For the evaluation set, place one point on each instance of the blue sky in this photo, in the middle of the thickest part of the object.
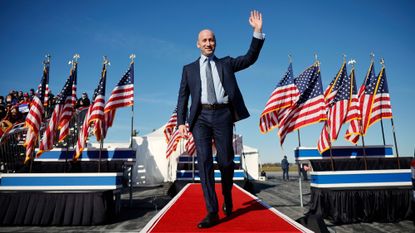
(162, 34)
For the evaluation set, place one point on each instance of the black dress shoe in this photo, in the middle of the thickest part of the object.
(227, 210)
(209, 221)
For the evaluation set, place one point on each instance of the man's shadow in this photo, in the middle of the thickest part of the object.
(249, 206)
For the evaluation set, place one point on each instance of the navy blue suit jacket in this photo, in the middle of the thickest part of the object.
(227, 67)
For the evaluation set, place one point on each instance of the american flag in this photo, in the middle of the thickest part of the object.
(190, 145)
(97, 112)
(173, 137)
(82, 135)
(69, 105)
(338, 95)
(170, 126)
(123, 93)
(172, 143)
(353, 114)
(381, 106)
(121, 96)
(35, 116)
(375, 100)
(46, 143)
(284, 96)
(310, 107)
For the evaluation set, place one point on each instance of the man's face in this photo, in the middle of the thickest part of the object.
(206, 42)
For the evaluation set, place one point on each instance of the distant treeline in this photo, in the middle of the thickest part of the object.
(276, 167)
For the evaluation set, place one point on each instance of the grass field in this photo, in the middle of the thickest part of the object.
(277, 168)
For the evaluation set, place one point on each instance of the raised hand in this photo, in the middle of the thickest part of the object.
(256, 21)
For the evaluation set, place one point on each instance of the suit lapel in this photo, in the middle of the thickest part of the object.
(196, 75)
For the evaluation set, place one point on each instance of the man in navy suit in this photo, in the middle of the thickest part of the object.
(216, 103)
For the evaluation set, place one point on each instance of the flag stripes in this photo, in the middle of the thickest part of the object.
(48, 138)
(285, 95)
(35, 116)
(337, 96)
(33, 122)
(311, 112)
(69, 105)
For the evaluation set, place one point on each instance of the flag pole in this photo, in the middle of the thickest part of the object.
(353, 62)
(132, 57)
(317, 62)
(383, 132)
(46, 62)
(101, 142)
(290, 60)
(372, 59)
(72, 63)
(382, 62)
(330, 150)
(364, 151)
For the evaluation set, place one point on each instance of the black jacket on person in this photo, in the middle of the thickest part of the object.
(284, 164)
(227, 67)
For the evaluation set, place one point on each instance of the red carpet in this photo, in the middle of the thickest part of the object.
(184, 212)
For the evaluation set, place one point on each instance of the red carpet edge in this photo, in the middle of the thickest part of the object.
(155, 220)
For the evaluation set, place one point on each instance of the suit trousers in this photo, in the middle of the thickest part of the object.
(217, 125)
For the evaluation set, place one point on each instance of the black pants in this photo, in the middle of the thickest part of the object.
(217, 125)
(285, 174)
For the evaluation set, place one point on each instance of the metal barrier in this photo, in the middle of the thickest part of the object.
(12, 150)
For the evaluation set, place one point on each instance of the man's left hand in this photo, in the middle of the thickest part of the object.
(256, 21)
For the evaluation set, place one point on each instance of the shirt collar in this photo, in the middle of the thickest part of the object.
(203, 58)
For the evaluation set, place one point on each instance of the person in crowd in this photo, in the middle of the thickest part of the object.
(24, 105)
(31, 93)
(25, 99)
(285, 167)
(3, 112)
(5, 125)
(15, 99)
(14, 115)
(2, 102)
(20, 96)
(304, 169)
(83, 102)
(10, 99)
(50, 105)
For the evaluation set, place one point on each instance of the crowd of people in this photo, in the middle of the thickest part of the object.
(16, 105)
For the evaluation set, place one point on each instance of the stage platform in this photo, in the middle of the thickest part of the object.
(250, 214)
(349, 193)
(344, 152)
(148, 201)
(56, 191)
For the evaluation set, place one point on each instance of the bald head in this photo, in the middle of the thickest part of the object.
(206, 42)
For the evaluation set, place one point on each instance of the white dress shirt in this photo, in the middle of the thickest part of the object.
(219, 91)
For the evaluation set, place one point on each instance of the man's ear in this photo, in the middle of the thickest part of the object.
(197, 44)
